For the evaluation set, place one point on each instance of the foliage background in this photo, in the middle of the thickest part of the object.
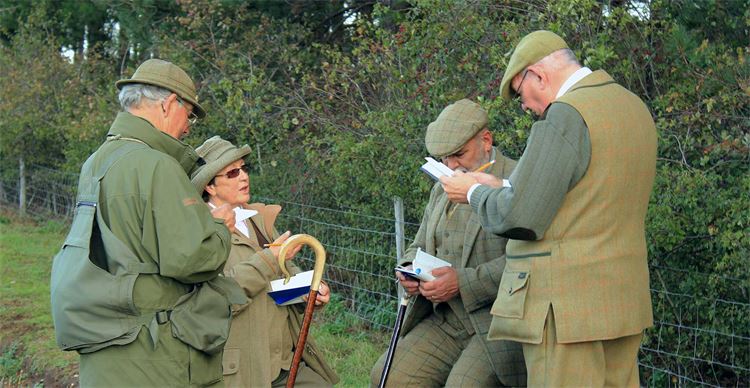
(334, 98)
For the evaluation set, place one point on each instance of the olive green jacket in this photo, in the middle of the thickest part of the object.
(482, 259)
(149, 204)
(250, 349)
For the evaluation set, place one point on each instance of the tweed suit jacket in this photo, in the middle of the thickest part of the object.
(477, 285)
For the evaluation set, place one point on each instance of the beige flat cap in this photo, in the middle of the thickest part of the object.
(455, 125)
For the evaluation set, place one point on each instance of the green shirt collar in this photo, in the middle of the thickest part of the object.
(129, 125)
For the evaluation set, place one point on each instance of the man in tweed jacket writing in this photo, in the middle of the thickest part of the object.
(444, 334)
(575, 290)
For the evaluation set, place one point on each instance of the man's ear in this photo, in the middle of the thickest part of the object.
(540, 72)
(487, 139)
(169, 103)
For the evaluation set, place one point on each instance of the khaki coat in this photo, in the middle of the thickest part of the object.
(247, 355)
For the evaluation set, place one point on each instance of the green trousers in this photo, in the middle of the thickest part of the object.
(171, 363)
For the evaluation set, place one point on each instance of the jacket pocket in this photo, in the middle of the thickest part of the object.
(231, 361)
(204, 369)
(511, 294)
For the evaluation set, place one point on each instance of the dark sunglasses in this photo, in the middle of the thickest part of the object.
(235, 172)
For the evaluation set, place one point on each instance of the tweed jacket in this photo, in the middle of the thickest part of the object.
(477, 285)
(590, 267)
(247, 354)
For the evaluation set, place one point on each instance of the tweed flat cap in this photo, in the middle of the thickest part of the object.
(169, 76)
(455, 125)
(529, 51)
(217, 153)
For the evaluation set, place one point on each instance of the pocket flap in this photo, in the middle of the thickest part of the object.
(511, 295)
(231, 361)
(517, 282)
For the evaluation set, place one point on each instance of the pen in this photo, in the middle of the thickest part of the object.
(484, 166)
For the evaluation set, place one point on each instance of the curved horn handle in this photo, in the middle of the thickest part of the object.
(320, 257)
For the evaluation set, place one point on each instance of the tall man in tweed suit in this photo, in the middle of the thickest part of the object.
(445, 331)
(575, 290)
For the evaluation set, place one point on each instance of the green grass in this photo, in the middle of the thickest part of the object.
(28, 352)
(27, 341)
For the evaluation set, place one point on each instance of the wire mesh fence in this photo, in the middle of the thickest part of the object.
(697, 339)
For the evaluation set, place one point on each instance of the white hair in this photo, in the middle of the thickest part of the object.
(559, 59)
(133, 95)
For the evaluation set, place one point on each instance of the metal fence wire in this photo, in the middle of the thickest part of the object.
(697, 340)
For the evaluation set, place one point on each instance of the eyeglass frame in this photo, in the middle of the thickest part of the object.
(192, 117)
(235, 172)
(517, 92)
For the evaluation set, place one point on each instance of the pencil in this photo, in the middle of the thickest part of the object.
(271, 245)
(480, 169)
(484, 166)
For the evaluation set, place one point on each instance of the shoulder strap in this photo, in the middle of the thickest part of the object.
(88, 185)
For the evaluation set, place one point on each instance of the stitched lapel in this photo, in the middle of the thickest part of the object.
(437, 212)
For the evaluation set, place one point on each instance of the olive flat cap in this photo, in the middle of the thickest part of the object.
(169, 76)
(217, 153)
(455, 125)
(532, 48)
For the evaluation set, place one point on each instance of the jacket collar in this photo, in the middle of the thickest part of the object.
(129, 125)
(265, 220)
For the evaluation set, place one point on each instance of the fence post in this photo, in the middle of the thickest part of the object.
(398, 211)
(22, 186)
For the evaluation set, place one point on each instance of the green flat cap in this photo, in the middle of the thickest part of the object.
(217, 153)
(169, 76)
(455, 125)
(529, 51)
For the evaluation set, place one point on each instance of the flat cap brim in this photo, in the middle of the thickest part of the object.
(530, 50)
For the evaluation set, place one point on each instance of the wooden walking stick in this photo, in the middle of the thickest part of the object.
(320, 262)
(394, 339)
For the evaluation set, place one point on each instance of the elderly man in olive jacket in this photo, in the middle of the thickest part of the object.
(143, 311)
(445, 329)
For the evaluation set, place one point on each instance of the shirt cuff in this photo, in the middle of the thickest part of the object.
(471, 190)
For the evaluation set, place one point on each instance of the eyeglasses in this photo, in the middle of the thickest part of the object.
(235, 172)
(518, 89)
(192, 117)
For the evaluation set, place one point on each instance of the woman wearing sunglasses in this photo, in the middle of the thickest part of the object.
(262, 336)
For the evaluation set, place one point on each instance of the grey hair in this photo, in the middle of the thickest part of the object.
(560, 58)
(133, 95)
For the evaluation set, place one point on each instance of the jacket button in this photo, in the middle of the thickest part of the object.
(231, 366)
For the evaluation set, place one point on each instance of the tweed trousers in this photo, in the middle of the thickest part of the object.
(438, 352)
(605, 363)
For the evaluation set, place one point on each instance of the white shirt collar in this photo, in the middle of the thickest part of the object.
(575, 77)
(240, 215)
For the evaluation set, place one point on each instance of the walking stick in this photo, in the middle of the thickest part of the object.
(394, 339)
(320, 262)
